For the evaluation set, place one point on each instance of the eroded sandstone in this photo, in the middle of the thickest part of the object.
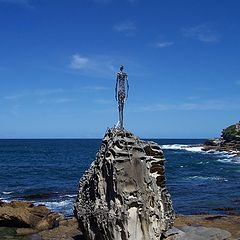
(123, 194)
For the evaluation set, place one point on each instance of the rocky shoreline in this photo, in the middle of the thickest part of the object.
(229, 141)
(24, 221)
(123, 196)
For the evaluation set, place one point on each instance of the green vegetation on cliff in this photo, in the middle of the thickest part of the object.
(230, 133)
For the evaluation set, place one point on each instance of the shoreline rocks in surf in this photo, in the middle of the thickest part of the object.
(228, 142)
(35, 221)
(67, 229)
(26, 215)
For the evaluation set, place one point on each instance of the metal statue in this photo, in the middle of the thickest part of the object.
(120, 93)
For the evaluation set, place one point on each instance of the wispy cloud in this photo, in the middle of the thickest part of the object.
(95, 88)
(25, 3)
(163, 44)
(101, 1)
(238, 82)
(37, 92)
(79, 62)
(202, 32)
(57, 100)
(57, 95)
(189, 106)
(103, 101)
(127, 27)
(98, 65)
(109, 1)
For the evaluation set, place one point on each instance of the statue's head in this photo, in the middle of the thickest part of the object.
(121, 67)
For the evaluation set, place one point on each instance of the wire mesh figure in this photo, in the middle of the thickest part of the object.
(120, 93)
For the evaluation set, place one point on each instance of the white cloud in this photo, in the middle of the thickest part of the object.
(163, 44)
(188, 106)
(37, 92)
(133, 1)
(25, 3)
(98, 65)
(79, 62)
(103, 101)
(109, 1)
(56, 100)
(95, 88)
(101, 1)
(201, 32)
(57, 95)
(126, 27)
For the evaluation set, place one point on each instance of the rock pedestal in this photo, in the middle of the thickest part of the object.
(123, 194)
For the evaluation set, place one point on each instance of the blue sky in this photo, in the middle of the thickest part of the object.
(59, 58)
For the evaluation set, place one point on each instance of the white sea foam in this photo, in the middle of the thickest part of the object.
(191, 148)
(5, 200)
(235, 160)
(223, 156)
(208, 178)
(70, 195)
(227, 157)
(7, 193)
(59, 206)
(65, 206)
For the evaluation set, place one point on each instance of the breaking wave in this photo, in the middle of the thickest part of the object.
(64, 206)
(191, 148)
(7, 193)
(223, 156)
(203, 178)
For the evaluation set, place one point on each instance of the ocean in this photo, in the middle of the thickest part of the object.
(47, 171)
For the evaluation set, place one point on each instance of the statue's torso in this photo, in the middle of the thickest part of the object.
(122, 77)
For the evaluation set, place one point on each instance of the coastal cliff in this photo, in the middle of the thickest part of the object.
(123, 194)
(229, 140)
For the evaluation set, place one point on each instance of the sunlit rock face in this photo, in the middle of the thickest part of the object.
(123, 194)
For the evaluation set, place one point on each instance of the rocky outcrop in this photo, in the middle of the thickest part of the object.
(218, 226)
(197, 233)
(67, 230)
(26, 215)
(123, 194)
(229, 140)
(23, 220)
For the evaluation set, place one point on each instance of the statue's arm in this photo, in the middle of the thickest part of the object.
(127, 85)
(116, 88)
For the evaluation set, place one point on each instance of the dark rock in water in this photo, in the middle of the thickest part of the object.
(123, 194)
(26, 215)
(39, 196)
(229, 140)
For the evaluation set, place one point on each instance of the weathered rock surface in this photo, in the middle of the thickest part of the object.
(229, 140)
(197, 233)
(230, 223)
(67, 230)
(123, 194)
(26, 215)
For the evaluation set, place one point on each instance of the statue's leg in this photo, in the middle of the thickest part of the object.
(119, 111)
(121, 115)
(121, 96)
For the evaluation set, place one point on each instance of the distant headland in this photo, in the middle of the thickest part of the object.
(229, 140)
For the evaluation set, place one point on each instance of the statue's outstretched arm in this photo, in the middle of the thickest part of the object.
(116, 88)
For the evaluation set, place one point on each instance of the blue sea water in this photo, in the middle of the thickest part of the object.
(47, 171)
